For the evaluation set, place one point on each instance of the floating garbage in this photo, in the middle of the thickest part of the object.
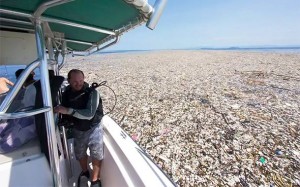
(164, 132)
(278, 152)
(262, 160)
(135, 137)
(207, 118)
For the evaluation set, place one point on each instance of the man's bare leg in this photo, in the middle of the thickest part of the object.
(85, 171)
(83, 163)
(96, 169)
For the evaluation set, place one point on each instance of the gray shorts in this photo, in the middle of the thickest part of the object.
(92, 139)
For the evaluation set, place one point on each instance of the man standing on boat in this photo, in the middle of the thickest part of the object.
(82, 106)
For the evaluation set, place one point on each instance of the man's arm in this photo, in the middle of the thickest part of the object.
(86, 113)
(90, 110)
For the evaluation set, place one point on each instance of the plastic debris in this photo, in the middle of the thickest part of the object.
(164, 132)
(262, 160)
(135, 137)
(225, 110)
(278, 152)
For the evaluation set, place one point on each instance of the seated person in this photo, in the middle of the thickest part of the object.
(16, 132)
(29, 80)
(26, 96)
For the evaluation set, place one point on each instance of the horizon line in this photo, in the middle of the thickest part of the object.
(211, 48)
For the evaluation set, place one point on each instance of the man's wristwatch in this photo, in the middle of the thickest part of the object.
(73, 112)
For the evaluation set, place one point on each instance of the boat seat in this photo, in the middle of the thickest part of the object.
(30, 148)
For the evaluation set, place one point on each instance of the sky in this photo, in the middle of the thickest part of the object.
(188, 24)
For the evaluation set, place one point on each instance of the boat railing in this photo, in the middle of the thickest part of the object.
(24, 114)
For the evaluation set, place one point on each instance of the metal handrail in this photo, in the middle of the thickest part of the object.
(24, 114)
(67, 154)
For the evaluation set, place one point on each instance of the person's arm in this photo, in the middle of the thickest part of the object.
(3, 85)
(86, 113)
(90, 110)
(9, 82)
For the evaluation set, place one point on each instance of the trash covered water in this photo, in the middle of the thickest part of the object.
(209, 118)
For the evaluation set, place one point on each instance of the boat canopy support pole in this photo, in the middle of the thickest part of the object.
(16, 21)
(159, 6)
(43, 7)
(110, 44)
(64, 54)
(51, 62)
(79, 42)
(64, 137)
(50, 48)
(92, 50)
(16, 28)
(47, 101)
(52, 20)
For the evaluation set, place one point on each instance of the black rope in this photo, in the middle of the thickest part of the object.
(103, 83)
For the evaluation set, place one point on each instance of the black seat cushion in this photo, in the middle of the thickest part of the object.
(55, 84)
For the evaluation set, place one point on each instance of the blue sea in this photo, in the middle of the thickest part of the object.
(9, 71)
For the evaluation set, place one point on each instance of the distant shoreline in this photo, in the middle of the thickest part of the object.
(246, 48)
(254, 49)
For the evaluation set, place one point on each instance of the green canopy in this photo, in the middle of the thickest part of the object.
(84, 24)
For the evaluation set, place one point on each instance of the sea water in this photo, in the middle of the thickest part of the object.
(9, 71)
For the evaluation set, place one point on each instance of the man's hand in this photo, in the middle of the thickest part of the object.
(3, 85)
(61, 109)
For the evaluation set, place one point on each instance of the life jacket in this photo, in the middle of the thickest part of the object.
(79, 100)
